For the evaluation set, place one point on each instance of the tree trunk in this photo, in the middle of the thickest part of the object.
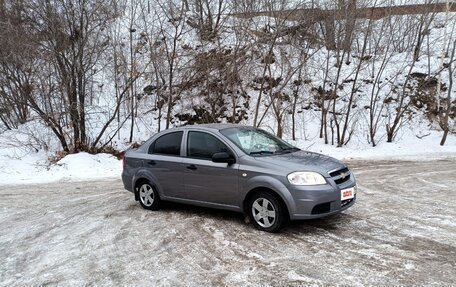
(389, 134)
(132, 90)
(279, 127)
(444, 137)
(330, 34)
(445, 124)
(349, 9)
(293, 117)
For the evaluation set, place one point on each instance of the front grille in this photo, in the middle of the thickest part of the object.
(341, 175)
(321, 208)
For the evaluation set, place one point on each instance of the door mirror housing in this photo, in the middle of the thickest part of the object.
(223, 157)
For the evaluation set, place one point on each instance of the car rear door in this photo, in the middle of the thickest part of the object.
(204, 179)
(164, 161)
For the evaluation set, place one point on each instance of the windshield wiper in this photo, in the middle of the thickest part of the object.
(289, 150)
(262, 152)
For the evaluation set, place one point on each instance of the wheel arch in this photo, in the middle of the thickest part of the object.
(140, 177)
(257, 189)
(272, 185)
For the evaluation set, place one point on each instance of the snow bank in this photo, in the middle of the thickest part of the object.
(86, 166)
(34, 168)
(427, 148)
(417, 143)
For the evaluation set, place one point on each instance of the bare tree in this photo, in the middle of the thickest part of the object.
(273, 32)
(207, 17)
(381, 51)
(171, 17)
(402, 102)
(444, 120)
(131, 60)
(72, 37)
(15, 66)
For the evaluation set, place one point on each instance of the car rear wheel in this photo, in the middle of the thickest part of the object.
(148, 196)
(266, 212)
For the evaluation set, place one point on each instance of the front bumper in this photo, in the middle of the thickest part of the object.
(320, 201)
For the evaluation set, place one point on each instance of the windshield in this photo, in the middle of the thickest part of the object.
(257, 142)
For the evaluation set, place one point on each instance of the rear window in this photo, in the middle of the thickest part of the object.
(169, 144)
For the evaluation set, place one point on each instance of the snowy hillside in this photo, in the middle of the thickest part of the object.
(351, 88)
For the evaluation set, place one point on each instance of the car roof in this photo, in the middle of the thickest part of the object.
(213, 126)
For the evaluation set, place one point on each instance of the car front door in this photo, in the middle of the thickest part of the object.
(164, 161)
(205, 180)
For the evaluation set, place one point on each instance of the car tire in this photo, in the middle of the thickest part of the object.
(148, 196)
(266, 212)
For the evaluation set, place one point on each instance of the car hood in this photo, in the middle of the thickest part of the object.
(303, 161)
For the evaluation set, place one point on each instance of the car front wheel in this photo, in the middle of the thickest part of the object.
(148, 196)
(266, 212)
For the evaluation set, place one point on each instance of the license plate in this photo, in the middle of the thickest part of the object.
(347, 193)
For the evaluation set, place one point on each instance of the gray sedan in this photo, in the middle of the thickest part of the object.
(238, 168)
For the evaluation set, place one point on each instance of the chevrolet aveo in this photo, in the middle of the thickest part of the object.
(238, 168)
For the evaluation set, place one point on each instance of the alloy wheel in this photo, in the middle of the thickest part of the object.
(263, 212)
(146, 194)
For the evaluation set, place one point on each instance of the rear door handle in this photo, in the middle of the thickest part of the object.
(192, 167)
(151, 162)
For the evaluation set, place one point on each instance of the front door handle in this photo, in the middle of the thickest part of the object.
(151, 162)
(192, 167)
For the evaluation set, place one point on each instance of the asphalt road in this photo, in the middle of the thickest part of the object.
(402, 231)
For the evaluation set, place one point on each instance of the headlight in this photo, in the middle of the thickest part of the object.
(306, 178)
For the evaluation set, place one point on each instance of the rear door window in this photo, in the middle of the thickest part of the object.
(168, 144)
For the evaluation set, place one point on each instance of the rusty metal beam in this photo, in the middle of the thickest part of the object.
(316, 15)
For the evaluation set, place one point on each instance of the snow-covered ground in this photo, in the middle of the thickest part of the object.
(401, 232)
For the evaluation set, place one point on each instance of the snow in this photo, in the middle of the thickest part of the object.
(28, 156)
(86, 234)
(408, 148)
(86, 166)
(33, 168)
(21, 167)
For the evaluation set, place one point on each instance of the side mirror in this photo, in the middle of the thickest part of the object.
(223, 157)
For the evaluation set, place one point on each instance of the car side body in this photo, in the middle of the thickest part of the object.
(201, 181)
